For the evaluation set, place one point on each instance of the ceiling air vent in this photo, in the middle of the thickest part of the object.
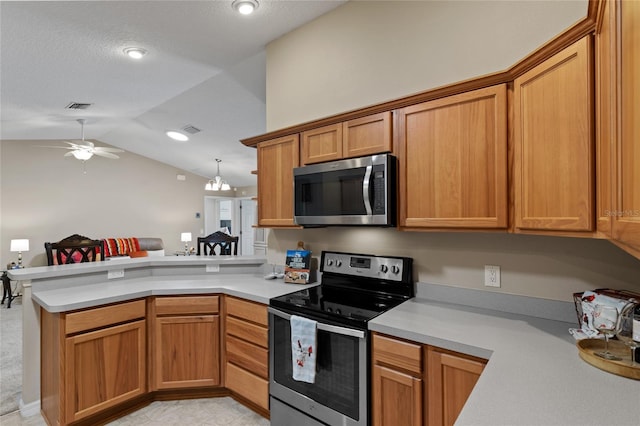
(191, 129)
(78, 105)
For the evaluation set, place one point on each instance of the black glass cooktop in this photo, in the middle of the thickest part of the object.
(342, 306)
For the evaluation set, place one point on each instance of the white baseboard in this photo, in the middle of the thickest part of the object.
(30, 409)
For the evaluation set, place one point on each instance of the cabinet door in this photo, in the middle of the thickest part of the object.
(396, 398)
(453, 161)
(553, 146)
(187, 351)
(276, 160)
(104, 368)
(626, 216)
(322, 144)
(450, 380)
(367, 135)
(605, 116)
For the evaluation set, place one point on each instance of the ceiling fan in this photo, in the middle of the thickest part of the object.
(84, 150)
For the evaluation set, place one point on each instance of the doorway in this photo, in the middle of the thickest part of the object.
(233, 215)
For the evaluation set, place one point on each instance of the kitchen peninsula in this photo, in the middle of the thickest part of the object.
(533, 375)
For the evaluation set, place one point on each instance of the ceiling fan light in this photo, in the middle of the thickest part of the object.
(135, 52)
(82, 154)
(177, 136)
(245, 7)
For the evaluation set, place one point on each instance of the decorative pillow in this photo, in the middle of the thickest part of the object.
(139, 253)
(155, 253)
(120, 246)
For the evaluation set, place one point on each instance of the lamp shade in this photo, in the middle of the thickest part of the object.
(185, 237)
(20, 245)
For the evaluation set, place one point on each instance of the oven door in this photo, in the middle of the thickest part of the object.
(340, 393)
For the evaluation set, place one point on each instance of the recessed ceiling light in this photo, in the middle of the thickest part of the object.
(177, 136)
(135, 52)
(245, 7)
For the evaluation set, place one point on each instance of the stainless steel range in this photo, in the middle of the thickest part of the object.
(355, 288)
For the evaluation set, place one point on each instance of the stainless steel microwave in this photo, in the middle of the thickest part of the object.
(356, 191)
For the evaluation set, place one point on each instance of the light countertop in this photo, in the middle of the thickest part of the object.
(248, 286)
(534, 375)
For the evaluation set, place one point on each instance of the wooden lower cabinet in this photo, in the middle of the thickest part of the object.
(89, 365)
(415, 384)
(185, 349)
(450, 378)
(247, 351)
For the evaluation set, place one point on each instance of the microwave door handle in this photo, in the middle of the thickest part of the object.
(365, 190)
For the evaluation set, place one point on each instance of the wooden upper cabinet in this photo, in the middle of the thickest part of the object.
(605, 103)
(553, 145)
(322, 144)
(453, 161)
(626, 213)
(354, 138)
(367, 135)
(276, 161)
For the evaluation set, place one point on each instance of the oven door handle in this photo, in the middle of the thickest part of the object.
(325, 327)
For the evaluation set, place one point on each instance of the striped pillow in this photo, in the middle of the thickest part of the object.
(120, 246)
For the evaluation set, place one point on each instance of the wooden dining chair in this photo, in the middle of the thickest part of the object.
(226, 244)
(74, 249)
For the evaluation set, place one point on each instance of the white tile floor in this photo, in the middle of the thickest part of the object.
(192, 412)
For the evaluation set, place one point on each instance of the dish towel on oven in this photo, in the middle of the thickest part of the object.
(303, 348)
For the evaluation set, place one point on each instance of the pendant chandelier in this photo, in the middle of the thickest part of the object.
(217, 183)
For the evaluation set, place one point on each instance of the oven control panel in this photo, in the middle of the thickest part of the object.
(362, 265)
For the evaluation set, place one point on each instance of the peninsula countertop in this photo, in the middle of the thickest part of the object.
(534, 375)
(248, 286)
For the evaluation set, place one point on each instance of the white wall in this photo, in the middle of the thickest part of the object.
(369, 52)
(46, 197)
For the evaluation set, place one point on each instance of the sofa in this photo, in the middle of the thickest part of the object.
(133, 247)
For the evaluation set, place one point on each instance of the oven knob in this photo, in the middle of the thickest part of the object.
(329, 262)
(338, 263)
(338, 311)
(395, 269)
(329, 310)
(384, 269)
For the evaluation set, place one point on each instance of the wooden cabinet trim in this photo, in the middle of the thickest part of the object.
(99, 317)
(179, 305)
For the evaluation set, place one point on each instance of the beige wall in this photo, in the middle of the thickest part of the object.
(368, 52)
(46, 197)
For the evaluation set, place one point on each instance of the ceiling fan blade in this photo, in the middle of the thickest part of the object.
(69, 154)
(106, 154)
(105, 149)
(53, 146)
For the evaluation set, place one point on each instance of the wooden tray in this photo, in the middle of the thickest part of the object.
(587, 347)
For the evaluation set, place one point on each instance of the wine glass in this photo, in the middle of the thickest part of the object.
(625, 328)
(605, 320)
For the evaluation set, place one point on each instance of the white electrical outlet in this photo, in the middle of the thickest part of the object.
(116, 273)
(491, 276)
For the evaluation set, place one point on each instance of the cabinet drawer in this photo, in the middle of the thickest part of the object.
(248, 385)
(397, 353)
(101, 317)
(248, 331)
(248, 356)
(250, 311)
(186, 305)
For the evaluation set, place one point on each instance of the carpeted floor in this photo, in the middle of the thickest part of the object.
(10, 356)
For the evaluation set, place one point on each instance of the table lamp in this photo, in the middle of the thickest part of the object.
(185, 237)
(20, 246)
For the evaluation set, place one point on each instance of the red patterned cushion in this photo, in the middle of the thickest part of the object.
(120, 246)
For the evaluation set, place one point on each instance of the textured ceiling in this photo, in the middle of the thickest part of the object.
(205, 67)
